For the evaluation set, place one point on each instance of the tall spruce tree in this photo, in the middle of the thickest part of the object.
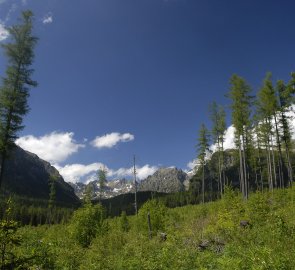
(241, 102)
(202, 149)
(16, 83)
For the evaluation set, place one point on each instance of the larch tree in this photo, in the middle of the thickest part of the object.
(14, 91)
(217, 114)
(102, 180)
(286, 100)
(241, 102)
(202, 149)
(267, 109)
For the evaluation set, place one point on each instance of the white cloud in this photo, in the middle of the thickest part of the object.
(145, 171)
(229, 139)
(54, 147)
(48, 18)
(3, 32)
(78, 172)
(192, 164)
(110, 140)
(86, 173)
(141, 172)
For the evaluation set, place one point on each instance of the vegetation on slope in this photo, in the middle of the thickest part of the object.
(227, 234)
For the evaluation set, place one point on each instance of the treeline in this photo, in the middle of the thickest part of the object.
(28, 211)
(263, 153)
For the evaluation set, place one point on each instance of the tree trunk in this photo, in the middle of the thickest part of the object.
(281, 172)
(241, 171)
(287, 146)
(274, 164)
(245, 167)
(203, 184)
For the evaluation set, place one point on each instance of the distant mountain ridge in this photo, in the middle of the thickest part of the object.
(112, 188)
(164, 180)
(27, 175)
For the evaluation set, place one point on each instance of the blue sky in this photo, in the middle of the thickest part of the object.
(141, 73)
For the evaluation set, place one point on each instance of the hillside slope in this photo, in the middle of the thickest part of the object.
(27, 175)
(227, 234)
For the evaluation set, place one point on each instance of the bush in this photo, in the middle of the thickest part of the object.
(158, 212)
(86, 223)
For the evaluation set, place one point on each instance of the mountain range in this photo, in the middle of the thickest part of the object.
(28, 176)
(164, 180)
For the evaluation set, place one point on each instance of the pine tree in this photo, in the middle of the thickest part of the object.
(14, 91)
(241, 113)
(202, 149)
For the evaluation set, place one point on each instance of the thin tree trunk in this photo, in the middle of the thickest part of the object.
(219, 169)
(290, 171)
(260, 166)
(241, 171)
(274, 164)
(281, 172)
(270, 179)
(222, 164)
(245, 167)
(203, 184)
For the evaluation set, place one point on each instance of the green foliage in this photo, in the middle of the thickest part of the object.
(102, 179)
(14, 91)
(124, 222)
(241, 103)
(87, 223)
(268, 242)
(203, 143)
(8, 239)
(158, 214)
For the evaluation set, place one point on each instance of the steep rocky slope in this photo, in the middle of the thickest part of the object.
(27, 175)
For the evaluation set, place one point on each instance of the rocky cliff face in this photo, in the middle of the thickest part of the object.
(112, 188)
(167, 180)
(27, 175)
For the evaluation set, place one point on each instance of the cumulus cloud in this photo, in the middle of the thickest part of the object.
(111, 139)
(192, 164)
(3, 32)
(79, 172)
(229, 143)
(86, 173)
(54, 147)
(48, 18)
(141, 172)
(229, 139)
